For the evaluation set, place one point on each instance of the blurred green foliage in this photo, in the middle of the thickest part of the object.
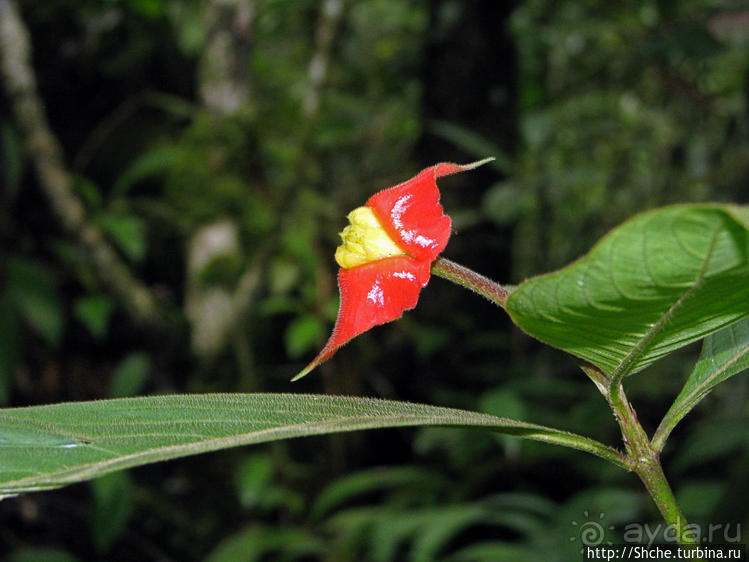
(594, 112)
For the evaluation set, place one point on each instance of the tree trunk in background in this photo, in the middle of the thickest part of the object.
(224, 88)
(223, 74)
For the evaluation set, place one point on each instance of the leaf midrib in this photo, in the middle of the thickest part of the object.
(638, 350)
(705, 386)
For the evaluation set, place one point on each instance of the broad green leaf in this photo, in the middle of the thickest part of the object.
(724, 354)
(50, 446)
(663, 279)
(17, 437)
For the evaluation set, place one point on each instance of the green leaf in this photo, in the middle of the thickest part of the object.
(113, 506)
(153, 163)
(303, 333)
(254, 476)
(663, 279)
(256, 543)
(428, 530)
(45, 447)
(151, 9)
(126, 231)
(88, 191)
(94, 311)
(130, 375)
(32, 437)
(508, 402)
(258, 489)
(32, 290)
(724, 354)
(441, 527)
(353, 485)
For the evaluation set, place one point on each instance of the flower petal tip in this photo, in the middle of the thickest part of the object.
(303, 373)
(478, 163)
(449, 168)
(323, 356)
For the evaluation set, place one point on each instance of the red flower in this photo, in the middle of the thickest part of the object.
(387, 254)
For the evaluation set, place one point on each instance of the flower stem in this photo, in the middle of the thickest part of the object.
(469, 279)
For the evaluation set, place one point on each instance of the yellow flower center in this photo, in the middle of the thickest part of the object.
(364, 240)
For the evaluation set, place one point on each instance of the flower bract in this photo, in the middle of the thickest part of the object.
(386, 255)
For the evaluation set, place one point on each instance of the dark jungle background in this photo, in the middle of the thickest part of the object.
(215, 147)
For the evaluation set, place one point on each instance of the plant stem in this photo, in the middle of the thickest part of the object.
(469, 279)
(645, 460)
